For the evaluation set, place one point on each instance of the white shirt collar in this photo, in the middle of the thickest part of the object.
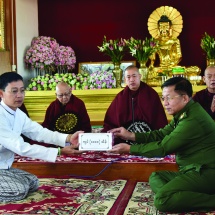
(9, 110)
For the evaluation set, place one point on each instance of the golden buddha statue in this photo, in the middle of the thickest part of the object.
(165, 24)
(169, 47)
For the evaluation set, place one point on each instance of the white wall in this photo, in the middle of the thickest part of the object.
(26, 30)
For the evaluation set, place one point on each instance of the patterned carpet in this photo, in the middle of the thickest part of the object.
(68, 196)
(88, 197)
(141, 203)
(105, 157)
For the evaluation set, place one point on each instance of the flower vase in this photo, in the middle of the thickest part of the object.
(62, 70)
(143, 70)
(117, 71)
(39, 72)
(42, 72)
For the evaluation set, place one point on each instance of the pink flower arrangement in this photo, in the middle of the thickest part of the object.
(141, 49)
(41, 54)
(46, 54)
(115, 49)
(65, 57)
(49, 82)
(102, 80)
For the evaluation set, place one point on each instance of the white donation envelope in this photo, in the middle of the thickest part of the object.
(95, 141)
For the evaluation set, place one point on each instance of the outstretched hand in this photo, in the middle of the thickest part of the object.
(70, 150)
(123, 133)
(121, 148)
(74, 139)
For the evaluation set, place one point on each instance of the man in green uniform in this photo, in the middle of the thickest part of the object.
(191, 136)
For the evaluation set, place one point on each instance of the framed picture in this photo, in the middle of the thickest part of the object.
(90, 67)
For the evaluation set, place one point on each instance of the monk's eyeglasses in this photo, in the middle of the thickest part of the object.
(63, 95)
(169, 98)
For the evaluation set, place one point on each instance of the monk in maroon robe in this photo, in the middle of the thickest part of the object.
(67, 114)
(138, 107)
(206, 97)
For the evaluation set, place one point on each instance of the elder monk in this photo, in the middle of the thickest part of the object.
(67, 114)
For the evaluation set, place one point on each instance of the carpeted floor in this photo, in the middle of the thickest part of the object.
(141, 203)
(68, 196)
(88, 197)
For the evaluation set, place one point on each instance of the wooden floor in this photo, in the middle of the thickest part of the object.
(118, 170)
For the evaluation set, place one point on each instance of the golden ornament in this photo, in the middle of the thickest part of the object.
(66, 122)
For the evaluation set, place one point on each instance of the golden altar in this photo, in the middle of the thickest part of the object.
(96, 101)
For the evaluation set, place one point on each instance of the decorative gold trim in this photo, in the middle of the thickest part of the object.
(66, 122)
(2, 25)
(173, 15)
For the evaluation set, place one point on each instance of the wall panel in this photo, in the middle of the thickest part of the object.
(82, 24)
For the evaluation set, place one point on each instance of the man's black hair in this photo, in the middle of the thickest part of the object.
(9, 77)
(182, 85)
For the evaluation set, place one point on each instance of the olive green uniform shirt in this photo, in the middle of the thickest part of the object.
(190, 135)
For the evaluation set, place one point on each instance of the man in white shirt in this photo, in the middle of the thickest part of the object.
(15, 184)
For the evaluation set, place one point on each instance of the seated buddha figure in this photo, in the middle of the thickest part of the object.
(169, 51)
(166, 29)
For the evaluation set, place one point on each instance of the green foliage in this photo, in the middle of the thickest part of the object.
(142, 49)
(49, 82)
(115, 49)
(208, 46)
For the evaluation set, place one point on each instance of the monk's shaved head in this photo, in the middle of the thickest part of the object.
(63, 92)
(62, 85)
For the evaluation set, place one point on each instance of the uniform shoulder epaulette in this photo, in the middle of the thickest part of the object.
(182, 116)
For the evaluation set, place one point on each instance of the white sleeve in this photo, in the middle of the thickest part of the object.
(11, 128)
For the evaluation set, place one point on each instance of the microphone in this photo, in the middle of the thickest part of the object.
(132, 106)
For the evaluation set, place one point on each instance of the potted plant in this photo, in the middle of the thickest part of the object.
(115, 49)
(41, 54)
(208, 46)
(142, 50)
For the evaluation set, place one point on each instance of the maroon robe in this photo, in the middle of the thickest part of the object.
(74, 110)
(67, 118)
(204, 98)
(146, 108)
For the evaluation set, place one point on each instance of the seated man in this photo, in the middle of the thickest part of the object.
(206, 97)
(16, 184)
(67, 114)
(190, 135)
(137, 107)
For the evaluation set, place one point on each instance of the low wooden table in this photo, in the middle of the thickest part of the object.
(127, 171)
(111, 167)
